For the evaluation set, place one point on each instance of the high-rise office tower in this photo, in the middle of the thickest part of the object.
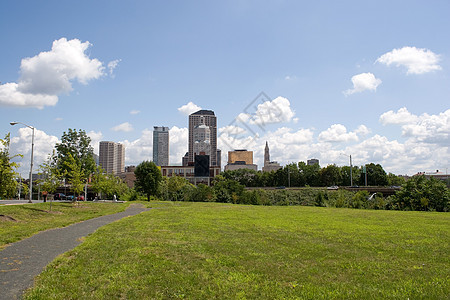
(202, 140)
(208, 119)
(161, 146)
(112, 157)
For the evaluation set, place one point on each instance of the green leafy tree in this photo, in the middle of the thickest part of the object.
(376, 176)
(227, 190)
(310, 173)
(148, 177)
(394, 180)
(52, 177)
(175, 187)
(8, 183)
(420, 193)
(331, 175)
(75, 174)
(356, 175)
(75, 146)
(98, 181)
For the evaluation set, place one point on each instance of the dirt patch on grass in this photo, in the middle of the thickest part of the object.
(7, 218)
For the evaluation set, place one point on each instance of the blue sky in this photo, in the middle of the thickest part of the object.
(366, 78)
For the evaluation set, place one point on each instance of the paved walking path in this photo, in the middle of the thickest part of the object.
(22, 261)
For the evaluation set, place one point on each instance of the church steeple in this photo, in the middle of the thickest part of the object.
(266, 154)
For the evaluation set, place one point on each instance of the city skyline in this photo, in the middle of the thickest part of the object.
(317, 80)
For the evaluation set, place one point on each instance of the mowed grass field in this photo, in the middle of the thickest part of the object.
(21, 221)
(221, 251)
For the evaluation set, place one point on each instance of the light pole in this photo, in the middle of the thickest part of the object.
(31, 165)
(351, 168)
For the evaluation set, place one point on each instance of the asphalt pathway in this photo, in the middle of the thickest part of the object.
(20, 262)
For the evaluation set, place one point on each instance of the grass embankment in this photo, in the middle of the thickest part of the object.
(222, 251)
(21, 221)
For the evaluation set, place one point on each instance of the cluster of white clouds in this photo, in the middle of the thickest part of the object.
(269, 112)
(189, 108)
(424, 128)
(416, 61)
(363, 82)
(49, 74)
(124, 127)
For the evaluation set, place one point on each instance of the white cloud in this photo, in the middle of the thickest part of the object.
(141, 149)
(434, 129)
(125, 127)
(276, 111)
(363, 82)
(112, 65)
(178, 144)
(189, 108)
(402, 116)
(362, 130)
(49, 74)
(21, 144)
(417, 61)
(134, 112)
(96, 138)
(338, 133)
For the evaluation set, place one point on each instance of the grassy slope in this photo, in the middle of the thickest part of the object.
(206, 250)
(32, 218)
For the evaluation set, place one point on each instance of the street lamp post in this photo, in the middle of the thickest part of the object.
(351, 169)
(31, 165)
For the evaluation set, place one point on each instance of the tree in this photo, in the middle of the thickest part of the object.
(310, 173)
(52, 178)
(75, 174)
(331, 175)
(175, 187)
(227, 190)
(77, 145)
(8, 183)
(394, 180)
(376, 176)
(420, 193)
(148, 177)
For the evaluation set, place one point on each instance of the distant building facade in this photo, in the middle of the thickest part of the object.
(240, 159)
(128, 176)
(312, 161)
(188, 172)
(112, 157)
(269, 165)
(161, 146)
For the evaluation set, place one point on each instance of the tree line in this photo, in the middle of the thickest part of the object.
(301, 175)
(418, 193)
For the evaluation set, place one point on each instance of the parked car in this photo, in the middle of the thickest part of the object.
(59, 196)
(70, 197)
(80, 198)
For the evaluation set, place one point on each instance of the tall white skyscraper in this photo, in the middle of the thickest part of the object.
(112, 157)
(161, 146)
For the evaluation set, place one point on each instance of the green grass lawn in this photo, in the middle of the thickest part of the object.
(22, 221)
(210, 250)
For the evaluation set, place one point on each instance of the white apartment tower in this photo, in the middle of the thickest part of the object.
(112, 157)
(161, 146)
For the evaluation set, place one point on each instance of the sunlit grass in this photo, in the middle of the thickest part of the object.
(25, 220)
(209, 250)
